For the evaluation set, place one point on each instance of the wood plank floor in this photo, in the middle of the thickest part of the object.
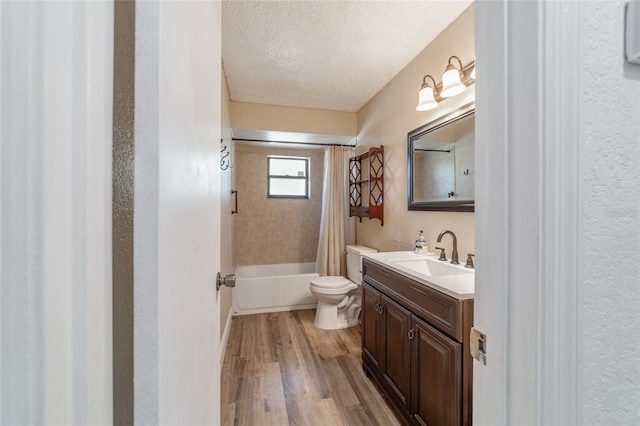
(281, 370)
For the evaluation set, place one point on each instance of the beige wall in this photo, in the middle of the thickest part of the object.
(252, 116)
(275, 230)
(227, 220)
(386, 120)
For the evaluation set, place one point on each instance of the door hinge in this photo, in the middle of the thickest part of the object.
(478, 346)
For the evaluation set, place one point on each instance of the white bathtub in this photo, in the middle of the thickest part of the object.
(273, 288)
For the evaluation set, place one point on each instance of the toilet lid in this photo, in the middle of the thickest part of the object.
(330, 282)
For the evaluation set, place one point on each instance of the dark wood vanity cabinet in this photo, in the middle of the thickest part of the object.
(437, 377)
(397, 349)
(372, 323)
(384, 341)
(415, 344)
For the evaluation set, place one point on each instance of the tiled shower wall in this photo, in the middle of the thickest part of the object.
(275, 230)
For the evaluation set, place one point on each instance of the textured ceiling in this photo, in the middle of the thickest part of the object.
(332, 55)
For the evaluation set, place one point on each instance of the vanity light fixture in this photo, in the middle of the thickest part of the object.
(426, 98)
(451, 81)
(454, 80)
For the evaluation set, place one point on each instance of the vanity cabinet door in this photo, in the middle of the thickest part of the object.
(437, 377)
(372, 344)
(397, 367)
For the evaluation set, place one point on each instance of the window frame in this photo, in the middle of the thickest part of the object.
(306, 177)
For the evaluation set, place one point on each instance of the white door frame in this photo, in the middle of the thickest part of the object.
(527, 239)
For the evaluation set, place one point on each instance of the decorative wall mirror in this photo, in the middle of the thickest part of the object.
(440, 163)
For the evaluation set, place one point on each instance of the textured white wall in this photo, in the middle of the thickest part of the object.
(55, 258)
(611, 220)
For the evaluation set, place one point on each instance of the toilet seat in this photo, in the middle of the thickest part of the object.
(332, 285)
(330, 282)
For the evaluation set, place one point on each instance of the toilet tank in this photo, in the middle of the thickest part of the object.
(354, 262)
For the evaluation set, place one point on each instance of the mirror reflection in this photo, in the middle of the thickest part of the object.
(441, 163)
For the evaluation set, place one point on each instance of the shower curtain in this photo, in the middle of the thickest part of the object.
(337, 229)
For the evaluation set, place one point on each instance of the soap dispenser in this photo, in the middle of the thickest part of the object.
(421, 244)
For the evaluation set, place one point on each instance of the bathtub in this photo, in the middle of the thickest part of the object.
(273, 288)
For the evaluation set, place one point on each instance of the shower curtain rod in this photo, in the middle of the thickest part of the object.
(292, 143)
(430, 150)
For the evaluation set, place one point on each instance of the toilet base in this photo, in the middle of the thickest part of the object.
(329, 317)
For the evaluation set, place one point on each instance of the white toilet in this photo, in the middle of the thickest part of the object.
(339, 299)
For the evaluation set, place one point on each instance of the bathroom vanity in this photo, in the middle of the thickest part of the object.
(416, 318)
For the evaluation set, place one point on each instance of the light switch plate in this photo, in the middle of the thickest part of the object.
(632, 32)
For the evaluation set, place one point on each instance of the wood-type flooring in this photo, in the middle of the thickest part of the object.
(279, 369)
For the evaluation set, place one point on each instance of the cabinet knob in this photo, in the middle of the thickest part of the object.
(411, 334)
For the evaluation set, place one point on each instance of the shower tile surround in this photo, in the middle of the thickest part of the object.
(275, 230)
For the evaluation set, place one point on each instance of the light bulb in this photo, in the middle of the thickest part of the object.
(426, 100)
(426, 96)
(451, 84)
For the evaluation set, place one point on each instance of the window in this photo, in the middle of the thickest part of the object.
(288, 177)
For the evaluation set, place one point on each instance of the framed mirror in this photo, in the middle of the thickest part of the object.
(440, 164)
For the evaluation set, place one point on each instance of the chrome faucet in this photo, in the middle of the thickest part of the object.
(454, 253)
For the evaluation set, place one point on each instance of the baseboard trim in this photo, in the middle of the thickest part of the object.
(225, 335)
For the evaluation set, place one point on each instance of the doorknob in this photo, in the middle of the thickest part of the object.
(228, 280)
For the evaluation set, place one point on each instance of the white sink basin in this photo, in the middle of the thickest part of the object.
(431, 267)
(454, 280)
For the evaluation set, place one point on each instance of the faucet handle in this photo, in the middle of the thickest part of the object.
(443, 256)
(469, 263)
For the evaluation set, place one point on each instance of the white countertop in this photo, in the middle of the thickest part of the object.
(459, 283)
